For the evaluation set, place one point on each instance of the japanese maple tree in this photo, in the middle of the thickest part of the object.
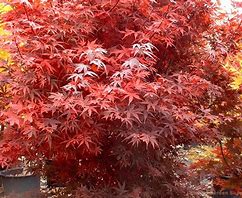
(108, 89)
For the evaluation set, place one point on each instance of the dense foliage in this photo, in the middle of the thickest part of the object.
(108, 89)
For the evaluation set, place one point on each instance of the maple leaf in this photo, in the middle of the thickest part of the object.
(132, 63)
(131, 96)
(90, 73)
(70, 86)
(129, 32)
(12, 118)
(81, 68)
(79, 141)
(124, 74)
(146, 49)
(100, 51)
(136, 138)
(149, 139)
(89, 110)
(99, 63)
(76, 77)
(45, 65)
(30, 132)
(56, 96)
(28, 117)
(151, 104)
(16, 107)
(53, 123)
(93, 52)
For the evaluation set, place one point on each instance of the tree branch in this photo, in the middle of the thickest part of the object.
(114, 6)
(222, 152)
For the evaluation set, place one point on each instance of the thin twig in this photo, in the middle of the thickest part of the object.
(222, 152)
(114, 6)
(15, 41)
(27, 15)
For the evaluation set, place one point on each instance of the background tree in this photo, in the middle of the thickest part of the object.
(108, 89)
(224, 160)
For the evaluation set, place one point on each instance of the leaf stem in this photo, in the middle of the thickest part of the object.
(114, 6)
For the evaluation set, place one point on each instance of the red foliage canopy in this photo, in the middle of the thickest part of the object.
(115, 86)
